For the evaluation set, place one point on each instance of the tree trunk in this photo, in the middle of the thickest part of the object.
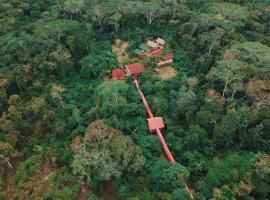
(62, 103)
(19, 87)
(225, 87)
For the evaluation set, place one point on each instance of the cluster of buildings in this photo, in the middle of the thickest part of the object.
(147, 49)
(154, 48)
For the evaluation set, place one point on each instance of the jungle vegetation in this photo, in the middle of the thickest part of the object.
(68, 131)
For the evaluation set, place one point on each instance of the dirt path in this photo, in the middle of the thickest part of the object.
(120, 52)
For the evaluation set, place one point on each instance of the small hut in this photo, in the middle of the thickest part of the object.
(155, 123)
(137, 52)
(152, 44)
(168, 59)
(119, 74)
(144, 47)
(160, 41)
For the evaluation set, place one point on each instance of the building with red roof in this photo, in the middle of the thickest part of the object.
(119, 74)
(135, 68)
(157, 53)
(168, 57)
(155, 123)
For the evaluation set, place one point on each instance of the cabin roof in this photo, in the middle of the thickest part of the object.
(160, 41)
(119, 74)
(157, 53)
(168, 57)
(137, 51)
(135, 68)
(155, 123)
(152, 44)
(144, 47)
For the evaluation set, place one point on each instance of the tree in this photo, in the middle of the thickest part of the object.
(256, 55)
(232, 74)
(56, 92)
(61, 61)
(233, 172)
(75, 7)
(186, 101)
(257, 91)
(7, 152)
(114, 20)
(113, 92)
(105, 153)
(180, 194)
(228, 15)
(151, 10)
(261, 173)
(98, 14)
(163, 175)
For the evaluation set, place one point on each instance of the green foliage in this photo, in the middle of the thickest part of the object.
(234, 171)
(26, 168)
(55, 79)
(64, 186)
(164, 174)
(1, 188)
(105, 153)
(255, 54)
(180, 194)
(185, 101)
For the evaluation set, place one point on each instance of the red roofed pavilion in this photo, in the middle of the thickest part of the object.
(119, 74)
(135, 68)
(155, 123)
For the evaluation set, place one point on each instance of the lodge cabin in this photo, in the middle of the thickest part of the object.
(154, 48)
(134, 69)
(161, 42)
(157, 53)
(119, 74)
(168, 59)
(152, 45)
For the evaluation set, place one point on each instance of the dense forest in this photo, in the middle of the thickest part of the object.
(68, 130)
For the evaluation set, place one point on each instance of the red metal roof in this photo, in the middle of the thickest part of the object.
(168, 57)
(155, 123)
(135, 68)
(119, 74)
(158, 52)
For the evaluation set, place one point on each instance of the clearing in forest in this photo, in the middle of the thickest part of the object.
(167, 72)
(119, 48)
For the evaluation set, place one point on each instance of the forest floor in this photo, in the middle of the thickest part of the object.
(167, 72)
(120, 52)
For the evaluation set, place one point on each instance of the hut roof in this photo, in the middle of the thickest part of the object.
(144, 47)
(157, 53)
(168, 57)
(137, 51)
(160, 41)
(135, 68)
(119, 74)
(152, 44)
(155, 123)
